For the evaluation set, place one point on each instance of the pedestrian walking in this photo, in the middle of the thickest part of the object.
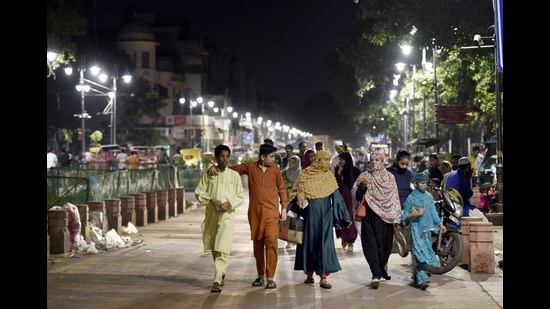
(290, 175)
(323, 208)
(266, 189)
(419, 212)
(346, 174)
(221, 194)
(378, 188)
(51, 159)
(122, 159)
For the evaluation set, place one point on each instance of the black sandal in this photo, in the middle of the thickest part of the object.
(258, 282)
(223, 280)
(271, 284)
(216, 288)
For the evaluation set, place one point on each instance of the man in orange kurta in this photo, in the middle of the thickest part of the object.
(266, 189)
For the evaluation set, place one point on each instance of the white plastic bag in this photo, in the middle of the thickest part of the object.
(478, 214)
(74, 221)
(130, 229)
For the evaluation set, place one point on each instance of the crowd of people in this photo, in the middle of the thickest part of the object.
(103, 160)
(327, 190)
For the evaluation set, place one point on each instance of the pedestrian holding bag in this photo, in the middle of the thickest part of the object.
(361, 212)
(292, 229)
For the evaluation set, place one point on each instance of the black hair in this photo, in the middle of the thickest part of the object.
(266, 149)
(221, 148)
(456, 156)
(402, 154)
(268, 141)
(348, 168)
(289, 146)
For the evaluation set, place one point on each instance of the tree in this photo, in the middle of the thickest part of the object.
(63, 22)
(67, 138)
(142, 101)
(148, 136)
(371, 47)
(96, 137)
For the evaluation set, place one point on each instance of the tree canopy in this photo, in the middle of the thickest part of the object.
(372, 46)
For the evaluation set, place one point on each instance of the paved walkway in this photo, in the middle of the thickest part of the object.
(167, 268)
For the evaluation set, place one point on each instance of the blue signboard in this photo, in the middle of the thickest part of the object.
(499, 35)
(248, 138)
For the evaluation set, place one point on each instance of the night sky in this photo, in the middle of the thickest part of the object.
(284, 42)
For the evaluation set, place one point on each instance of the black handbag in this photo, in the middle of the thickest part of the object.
(293, 206)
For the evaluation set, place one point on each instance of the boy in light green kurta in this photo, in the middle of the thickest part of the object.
(221, 194)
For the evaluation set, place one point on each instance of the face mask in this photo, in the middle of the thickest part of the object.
(422, 187)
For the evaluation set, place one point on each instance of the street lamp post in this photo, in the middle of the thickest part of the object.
(424, 114)
(82, 88)
(113, 97)
(182, 101)
(83, 114)
(84, 85)
(201, 141)
(406, 124)
(478, 39)
(400, 67)
(413, 101)
(191, 105)
(434, 56)
(189, 124)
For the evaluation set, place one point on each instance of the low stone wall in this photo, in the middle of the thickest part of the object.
(495, 218)
(108, 214)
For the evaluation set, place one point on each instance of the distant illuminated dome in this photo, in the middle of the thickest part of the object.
(135, 30)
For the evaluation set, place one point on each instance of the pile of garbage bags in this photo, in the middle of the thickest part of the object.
(99, 241)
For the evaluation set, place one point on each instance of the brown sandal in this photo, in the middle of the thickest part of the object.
(324, 284)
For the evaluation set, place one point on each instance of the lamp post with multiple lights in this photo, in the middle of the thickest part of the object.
(112, 93)
(86, 85)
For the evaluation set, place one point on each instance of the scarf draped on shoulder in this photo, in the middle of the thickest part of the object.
(382, 195)
(316, 181)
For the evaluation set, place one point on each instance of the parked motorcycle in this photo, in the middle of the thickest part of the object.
(448, 246)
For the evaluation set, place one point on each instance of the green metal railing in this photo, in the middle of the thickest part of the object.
(77, 185)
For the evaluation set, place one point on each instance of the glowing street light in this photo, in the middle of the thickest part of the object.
(127, 78)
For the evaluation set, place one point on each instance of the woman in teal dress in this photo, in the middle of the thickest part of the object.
(323, 208)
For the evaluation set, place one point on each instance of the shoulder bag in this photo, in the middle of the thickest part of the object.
(292, 229)
(361, 212)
